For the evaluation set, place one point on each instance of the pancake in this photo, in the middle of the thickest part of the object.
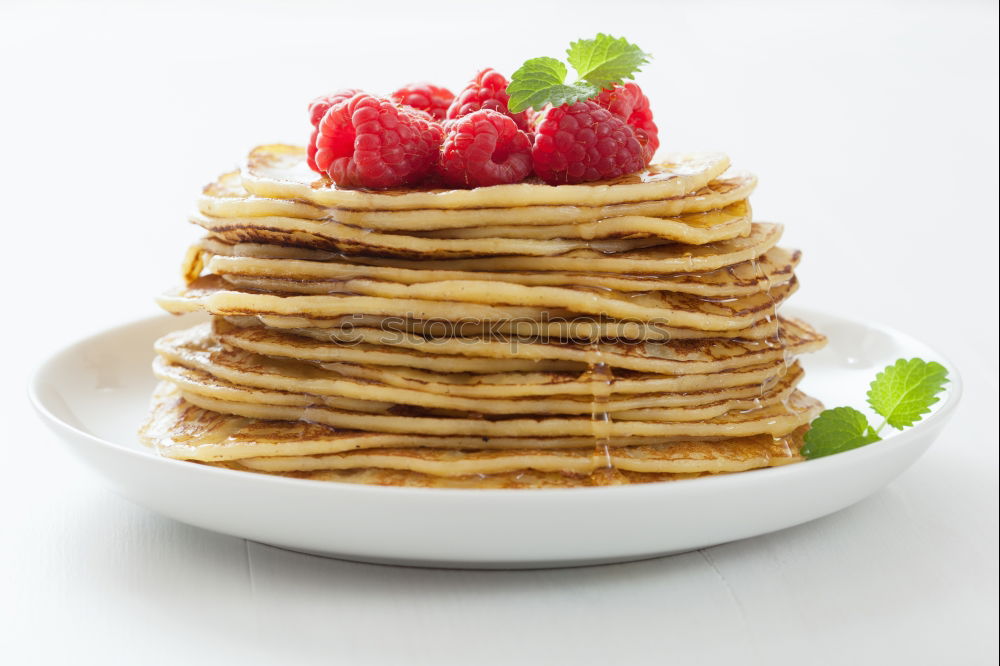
(179, 429)
(657, 260)
(280, 172)
(519, 480)
(773, 268)
(776, 419)
(209, 293)
(478, 301)
(263, 388)
(198, 363)
(618, 234)
(226, 197)
(669, 358)
(684, 457)
(573, 393)
(690, 228)
(647, 408)
(336, 237)
(556, 325)
(749, 380)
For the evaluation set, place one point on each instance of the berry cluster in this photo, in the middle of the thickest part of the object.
(423, 131)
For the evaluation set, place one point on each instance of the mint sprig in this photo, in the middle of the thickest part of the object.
(836, 430)
(542, 81)
(605, 60)
(905, 391)
(600, 63)
(902, 394)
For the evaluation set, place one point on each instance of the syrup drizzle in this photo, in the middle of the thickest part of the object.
(600, 379)
(782, 443)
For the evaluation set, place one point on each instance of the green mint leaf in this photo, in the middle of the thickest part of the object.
(902, 393)
(605, 60)
(905, 391)
(837, 430)
(542, 81)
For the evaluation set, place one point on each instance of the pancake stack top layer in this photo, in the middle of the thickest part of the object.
(512, 336)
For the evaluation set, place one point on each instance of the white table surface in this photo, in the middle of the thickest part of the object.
(873, 130)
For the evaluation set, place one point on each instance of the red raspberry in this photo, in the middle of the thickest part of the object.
(583, 142)
(317, 109)
(630, 104)
(426, 97)
(369, 141)
(311, 151)
(484, 148)
(487, 91)
(319, 106)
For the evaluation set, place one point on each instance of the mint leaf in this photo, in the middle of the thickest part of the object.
(905, 391)
(902, 393)
(605, 60)
(542, 81)
(837, 430)
(600, 62)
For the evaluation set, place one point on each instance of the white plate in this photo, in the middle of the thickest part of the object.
(93, 394)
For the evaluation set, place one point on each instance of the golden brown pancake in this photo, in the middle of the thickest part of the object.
(336, 237)
(683, 457)
(675, 357)
(478, 301)
(617, 234)
(502, 384)
(554, 325)
(202, 366)
(280, 172)
(238, 267)
(775, 419)
(226, 197)
(179, 429)
(519, 480)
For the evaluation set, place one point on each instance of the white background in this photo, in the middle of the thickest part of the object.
(873, 128)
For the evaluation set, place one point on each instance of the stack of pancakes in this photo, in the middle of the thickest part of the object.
(511, 336)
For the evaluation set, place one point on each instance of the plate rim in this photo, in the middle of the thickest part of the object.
(897, 439)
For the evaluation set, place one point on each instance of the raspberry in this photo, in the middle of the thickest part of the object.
(317, 109)
(630, 104)
(369, 141)
(311, 151)
(484, 148)
(426, 97)
(487, 91)
(584, 142)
